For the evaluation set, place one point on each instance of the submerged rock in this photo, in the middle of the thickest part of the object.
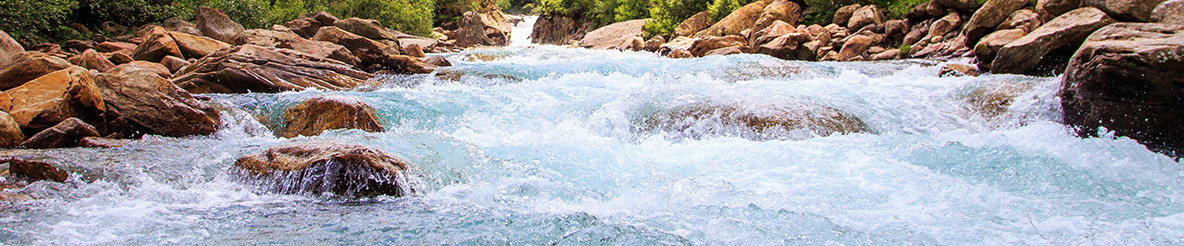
(316, 115)
(1126, 78)
(36, 171)
(347, 170)
(797, 120)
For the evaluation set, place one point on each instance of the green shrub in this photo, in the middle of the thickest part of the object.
(36, 21)
(667, 14)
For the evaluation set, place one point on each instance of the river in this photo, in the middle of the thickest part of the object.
(551, 145)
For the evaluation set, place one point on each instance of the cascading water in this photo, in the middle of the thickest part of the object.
(549, 145)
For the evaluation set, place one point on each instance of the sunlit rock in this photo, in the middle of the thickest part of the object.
(798, 119)
(316, 115)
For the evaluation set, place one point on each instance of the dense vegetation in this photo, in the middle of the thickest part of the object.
(36, 21)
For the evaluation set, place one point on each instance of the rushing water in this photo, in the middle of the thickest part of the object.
(548, 145)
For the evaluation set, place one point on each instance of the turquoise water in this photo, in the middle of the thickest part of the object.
(548, 145)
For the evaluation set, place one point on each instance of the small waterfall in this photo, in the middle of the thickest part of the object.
(520, 34)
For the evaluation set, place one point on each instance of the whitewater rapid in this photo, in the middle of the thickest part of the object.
(547, 145)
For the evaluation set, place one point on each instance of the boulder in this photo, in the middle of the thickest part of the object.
(843, 14)
(78, 46)
(558, 29)
(680, 53)
(966, 6)
(125, 48)
(989, 16)
(65, 134)
(414, 50)
(250, 68)
(918, 32)
(958, 70)
(788, 47)
(1126, 10)
(945, 25)
(1126, 78)
(153, 105)
(8, 46)
(320, 17)
(864, 16)
(369, 52)
(793, 119)
(174, 64)
(93, 60)
(157, 44)
(10, 131)
(1053, 8)
(1023, 19)
(157, 68)
(316, 115)
(26, 66)
(724, 51)
(36, 171)
(367, 28)
(1170, 12)
(634, 43)
(196, 46)
(654, 43)
(287, 40)
(614, 34)
(696, 23)
(120, 58)
(988, 47)
(779, 10)
(701, 46)
(177, 25)
(346, 170)
(1065, 32)
(888, 54)
(98, 142)
(483, 28)
(736, 22)
(777, 29)
(305, 27)
(215, 24)
(854, 47)
(50, 99)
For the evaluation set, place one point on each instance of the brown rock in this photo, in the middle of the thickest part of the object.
(854, 47)
(724, 51)
(945, 25)
(8, 46)
(10, 131)
(157, 44)
(286, 40)
(153, 105)
(347, 170)
(613, 35)
(1023, 19)
(196, 46)
(369, 52)
(843, 14)
(174, 64)
(78, 46)
(157, 68)
(777, 29)
(438, 61)
(701, 46)
(1064, 32)
(120, 58)
(788, 47)
(116, 47)
(98, 142)
(367, 28)
(214, 24)
(414, 50)
(65, 134)
(987, 48)
(654, 43)
(989, 16)
(316, 115)
(1126, 78)
(23, 67)
(1127, 10)
(864, 16)
(680, 53)
(696, 23)
(483, 28)
(958, 70)
(1053, 8)
(632, 44)
(1170, 12)
(93, 60)
(796, 119)
(558, 29)
(918, 32)
(736, 22)
(888, 54)
(305, 27)
(250, 68)
(36, 171)
(320, 17)
(779, 10)
(50, 99)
